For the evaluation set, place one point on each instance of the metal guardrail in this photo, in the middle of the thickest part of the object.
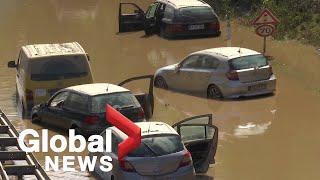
(9, 138)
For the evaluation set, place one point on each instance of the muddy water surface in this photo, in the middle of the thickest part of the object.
(272, 137)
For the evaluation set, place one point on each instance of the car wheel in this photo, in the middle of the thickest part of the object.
(214, 92)
(35, 119)
(160, 83)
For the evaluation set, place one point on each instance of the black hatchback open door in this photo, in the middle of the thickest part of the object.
(131, 17)
(200, 137)
(146, 99)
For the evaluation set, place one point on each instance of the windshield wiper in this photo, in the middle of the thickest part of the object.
(126, 107)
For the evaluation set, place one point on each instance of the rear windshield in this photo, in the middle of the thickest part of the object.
(247, 62)
(158, 146)
(196, 13)
(117, 100)
(60, 67)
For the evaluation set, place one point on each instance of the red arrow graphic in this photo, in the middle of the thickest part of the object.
(128, 127)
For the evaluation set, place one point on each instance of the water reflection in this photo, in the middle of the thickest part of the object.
(80, 11)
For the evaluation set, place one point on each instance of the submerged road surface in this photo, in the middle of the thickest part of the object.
(273, 137)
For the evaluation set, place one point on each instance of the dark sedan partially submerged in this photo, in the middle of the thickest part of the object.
(170, 18)
(82, 107)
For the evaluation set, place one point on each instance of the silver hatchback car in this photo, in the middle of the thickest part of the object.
(166, 152)
(229, 72)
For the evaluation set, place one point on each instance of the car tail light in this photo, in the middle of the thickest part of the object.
(91, 119)
(215, 26)
(141, 114)
(29, 95)
(186, 160)
(126, 166)
(232, 75)
(174, 28)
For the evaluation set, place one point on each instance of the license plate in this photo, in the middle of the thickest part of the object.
(257, 87)
(196, 27)
(40, 92)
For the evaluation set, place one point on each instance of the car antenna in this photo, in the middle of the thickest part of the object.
(107, 88)
(239, 51)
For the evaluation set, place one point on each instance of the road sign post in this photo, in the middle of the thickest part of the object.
(265, 24)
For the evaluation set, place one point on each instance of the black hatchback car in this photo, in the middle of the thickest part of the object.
(170, 18)
(82, 107)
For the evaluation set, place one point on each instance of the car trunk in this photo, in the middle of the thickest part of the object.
(156, 166)
(254, 74)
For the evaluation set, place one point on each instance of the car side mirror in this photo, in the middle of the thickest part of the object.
(269, 58)
(12, 64)
(88, 57)
(177, 68)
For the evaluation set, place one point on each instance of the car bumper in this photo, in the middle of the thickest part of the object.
(238, 89)
(184, 173)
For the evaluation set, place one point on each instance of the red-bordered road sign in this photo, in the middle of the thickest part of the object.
(265, 30)
(265, 17)
(128, 127)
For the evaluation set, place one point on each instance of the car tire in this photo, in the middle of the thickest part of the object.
(214, 92)
(35, 119)
(160, 82)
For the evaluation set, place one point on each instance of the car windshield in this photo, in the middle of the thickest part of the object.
(196, 13)
(158, 146)
(247, 62)
(117, 100)
(59, 67)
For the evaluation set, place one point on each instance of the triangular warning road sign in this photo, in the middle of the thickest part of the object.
(265, 17)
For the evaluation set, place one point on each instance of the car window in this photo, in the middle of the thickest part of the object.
(169, 12)
(77, 102)
(158, 146)
(61, 97)
(246, 62)
(196, 132)
(151, 10)
(116, 100)
(196, 12)
(59, 67)
(193, 61)
(209, 62)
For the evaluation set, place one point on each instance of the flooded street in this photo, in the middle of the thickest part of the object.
(269, 137)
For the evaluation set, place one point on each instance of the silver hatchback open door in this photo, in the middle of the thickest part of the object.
(145, 99)
(200, 137)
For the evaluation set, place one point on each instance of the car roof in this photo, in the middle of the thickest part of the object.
(97, 89)
(46, 50)
(149, 128)
(184, 3)
(229, 52)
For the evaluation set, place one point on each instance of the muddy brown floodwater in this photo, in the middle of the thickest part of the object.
(274, 137)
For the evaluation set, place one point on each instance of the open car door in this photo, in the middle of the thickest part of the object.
(145, 99)
(151, 19)
(131, 17)
(200, 137)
